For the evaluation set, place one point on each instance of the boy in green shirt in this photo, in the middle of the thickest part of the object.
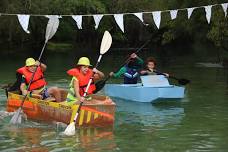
(130, 70)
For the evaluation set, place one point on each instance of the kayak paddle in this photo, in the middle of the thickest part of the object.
(100, 84)
(105, 45)
(180, 81)
(51, 29)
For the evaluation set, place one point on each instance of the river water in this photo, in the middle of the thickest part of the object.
(199, 122)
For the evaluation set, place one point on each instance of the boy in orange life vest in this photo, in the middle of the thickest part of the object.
(81, 75)
(38, 84)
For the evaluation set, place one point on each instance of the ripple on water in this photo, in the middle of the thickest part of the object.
(61, 149)
(50, 142)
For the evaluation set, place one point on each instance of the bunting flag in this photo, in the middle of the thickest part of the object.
(208, 13)
(224, 7)
(157, 18)
(140, 16)
(97, 19)
(78, 20)
(24, 21)
(24, 18)
(119, 21)
(173, 14)
(190, 10)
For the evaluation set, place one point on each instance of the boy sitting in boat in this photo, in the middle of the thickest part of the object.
(150, 68)
(37, 87)
(130, 70)
(81, 75)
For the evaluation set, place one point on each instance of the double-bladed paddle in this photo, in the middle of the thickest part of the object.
(181, 81)
(100, 84)
(105, 45)
(51, 29)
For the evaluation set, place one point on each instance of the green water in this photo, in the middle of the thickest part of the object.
(199, 122)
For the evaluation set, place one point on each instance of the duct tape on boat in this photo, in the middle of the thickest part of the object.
(51, 104)
(42, 102)
(64, 107)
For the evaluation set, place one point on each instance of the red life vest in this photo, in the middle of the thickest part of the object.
(83, 80)
(38, 80)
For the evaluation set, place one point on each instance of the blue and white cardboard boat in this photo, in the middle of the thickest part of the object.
(153, 87)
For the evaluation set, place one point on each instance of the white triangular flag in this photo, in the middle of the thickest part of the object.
(190, 10)
(157, 18)
(140, 16)
(78, 20)
(97, 19)
(173, 14)
(119, 21)
(24, 21)
(224, 6)
(208, 13)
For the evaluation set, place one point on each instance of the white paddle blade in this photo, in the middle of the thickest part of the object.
(17, 117)
(106, 42)
(70, 130)
(52, 27)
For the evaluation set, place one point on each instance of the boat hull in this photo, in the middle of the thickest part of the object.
(139, 93)
(99, 111)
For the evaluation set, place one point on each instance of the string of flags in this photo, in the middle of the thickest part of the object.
(119, 18)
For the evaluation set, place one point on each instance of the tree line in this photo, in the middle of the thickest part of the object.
(174, 35)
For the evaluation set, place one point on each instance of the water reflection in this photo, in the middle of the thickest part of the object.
(196, 123)
(147, 114)
(27, 137)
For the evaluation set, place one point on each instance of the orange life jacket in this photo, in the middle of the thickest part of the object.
(83, 80)
(38, 80)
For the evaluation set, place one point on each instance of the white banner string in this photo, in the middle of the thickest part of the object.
(114, 14)
(24, 18)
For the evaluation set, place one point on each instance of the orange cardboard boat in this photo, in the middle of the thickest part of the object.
(99, 111)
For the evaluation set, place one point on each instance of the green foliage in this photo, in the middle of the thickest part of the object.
(59, 47)
(170, 31)
(218, 32)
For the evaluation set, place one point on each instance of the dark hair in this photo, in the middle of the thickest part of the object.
(151, 59)
(132, 63)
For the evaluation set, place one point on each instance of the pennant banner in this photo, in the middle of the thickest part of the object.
(173, 14)
(208, 13)
(119, 21)
(157, 18)
(224, 7)
(24, 21)
(97, 19)
(78, 20)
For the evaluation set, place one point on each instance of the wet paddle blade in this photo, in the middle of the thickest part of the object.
(52, 27)
(17, 117)
(99, 85)
(70, 130)
(106, 42)
(183, 81)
